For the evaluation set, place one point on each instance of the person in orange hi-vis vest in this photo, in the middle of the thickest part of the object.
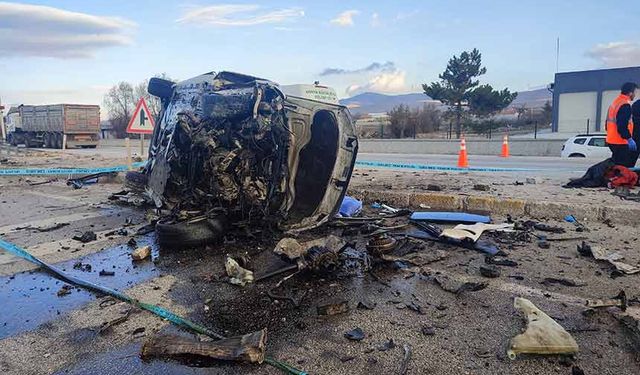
(620, 127)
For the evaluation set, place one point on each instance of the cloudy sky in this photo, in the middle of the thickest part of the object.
(72, 51)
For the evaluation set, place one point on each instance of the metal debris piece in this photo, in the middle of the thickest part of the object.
(473, 232)
(320, 259)
(614, 259)
(457, 284)
(381, 244)
(356, 334)
(246, 348)
(542, 336)
(85, 237)
(237, 274)
(618, 301)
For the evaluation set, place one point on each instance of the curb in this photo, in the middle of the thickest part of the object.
(499, 206)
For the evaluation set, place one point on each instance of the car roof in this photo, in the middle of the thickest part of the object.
(590, 135)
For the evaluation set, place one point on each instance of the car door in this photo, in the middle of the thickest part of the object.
(597, 148)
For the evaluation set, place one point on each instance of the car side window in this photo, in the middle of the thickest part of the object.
(579, 141)
(598, 142)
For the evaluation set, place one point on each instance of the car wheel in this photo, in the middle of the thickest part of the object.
(576, 155)
(174, 235)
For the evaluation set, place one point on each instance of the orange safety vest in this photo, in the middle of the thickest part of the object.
(613, 137)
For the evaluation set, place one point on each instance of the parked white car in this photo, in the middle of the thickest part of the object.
(586, 146)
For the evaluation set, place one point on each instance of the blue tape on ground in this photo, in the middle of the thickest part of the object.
(66, 171)
(166, 314)
(429, 167)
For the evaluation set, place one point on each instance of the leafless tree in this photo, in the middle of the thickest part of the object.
(120, 103)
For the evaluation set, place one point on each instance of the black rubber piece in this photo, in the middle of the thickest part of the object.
(162, 88)
(188, 235)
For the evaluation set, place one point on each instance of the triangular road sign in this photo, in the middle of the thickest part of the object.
(141, 122)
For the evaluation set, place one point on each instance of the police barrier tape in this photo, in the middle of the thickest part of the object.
(163, 313)
(67, 171)
(429, 167)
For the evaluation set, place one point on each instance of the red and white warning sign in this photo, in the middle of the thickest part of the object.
(141, 122)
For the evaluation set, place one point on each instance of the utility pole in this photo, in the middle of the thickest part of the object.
(3, 131)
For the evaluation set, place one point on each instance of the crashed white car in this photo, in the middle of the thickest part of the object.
(237, 144)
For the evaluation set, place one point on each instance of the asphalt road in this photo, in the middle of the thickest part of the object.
(542, 165)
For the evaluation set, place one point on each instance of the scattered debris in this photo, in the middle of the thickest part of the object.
(350, 207)
(84, 267)
(64, 290)
(79, 182)
(355, 334)
(450, 217)
(562, 281)
(542, 336)
(481, 187)
(289, 247)
(619, 300)
(106, 273)
(381, 244)
(387, 345)
(237, 274)
(548, 228)
(473, 232)
(404, 366)
(498, 261)
(85, 237)
(246, 348)
(46, 228)
(614, 259)
(141, 253)
(428, 330)
(106, 326)
(366, 305)
(489, 270)
(458, 284)
(544, 244)
(333, 308)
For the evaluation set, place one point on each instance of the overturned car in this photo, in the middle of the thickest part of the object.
(237, 147)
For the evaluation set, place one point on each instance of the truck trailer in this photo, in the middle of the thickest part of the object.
(49, 125)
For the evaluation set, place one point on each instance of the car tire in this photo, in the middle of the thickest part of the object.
(162, 88)
(175, 235)
(576, 155)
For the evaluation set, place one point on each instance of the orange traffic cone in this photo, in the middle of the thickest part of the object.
(505, 146)
(462, 156)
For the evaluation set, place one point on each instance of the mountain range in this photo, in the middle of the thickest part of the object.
(371, 102)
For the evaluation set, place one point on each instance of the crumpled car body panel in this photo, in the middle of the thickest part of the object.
(236, 142)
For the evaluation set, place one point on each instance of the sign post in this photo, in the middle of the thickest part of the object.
(141, 122)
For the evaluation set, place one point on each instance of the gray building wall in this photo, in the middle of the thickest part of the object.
(591, 80)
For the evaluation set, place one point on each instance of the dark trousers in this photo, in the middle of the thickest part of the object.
(633, 158)
(621, 155)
